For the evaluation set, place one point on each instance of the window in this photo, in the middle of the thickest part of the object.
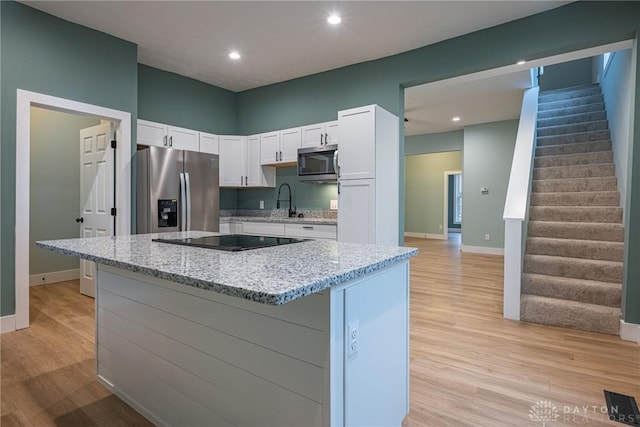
(606, 60)
(457, 194)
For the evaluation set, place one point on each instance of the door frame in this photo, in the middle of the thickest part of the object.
(445, 219)
(122, 121)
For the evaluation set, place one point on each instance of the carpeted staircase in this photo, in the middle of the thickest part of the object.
(572, 271)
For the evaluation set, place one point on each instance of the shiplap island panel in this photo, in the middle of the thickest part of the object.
(193, 336)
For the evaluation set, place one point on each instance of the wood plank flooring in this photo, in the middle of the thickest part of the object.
(469, 366)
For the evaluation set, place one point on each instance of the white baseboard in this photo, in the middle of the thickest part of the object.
(482, 250)
(8, 323)
(629, 331)
(423, 235)
(54, 277)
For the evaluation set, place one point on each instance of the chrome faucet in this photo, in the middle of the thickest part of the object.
(292, 212)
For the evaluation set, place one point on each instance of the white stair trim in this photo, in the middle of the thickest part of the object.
(629, 331)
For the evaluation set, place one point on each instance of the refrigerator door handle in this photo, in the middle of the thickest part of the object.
(188, 192)
(183, 204)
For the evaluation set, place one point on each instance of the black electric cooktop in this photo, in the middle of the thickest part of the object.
(232, 242)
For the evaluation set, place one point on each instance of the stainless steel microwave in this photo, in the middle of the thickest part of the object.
(318, 164)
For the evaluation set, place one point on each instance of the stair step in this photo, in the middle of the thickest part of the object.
(576, 230)
(573, 248)
(569, 93)
(559, 120)
(572, 138)
(595, 158)
(573, 102)
(582, 198)
(576, 214)
(577, 268)
(588, 291)
(567, 111)
(579, 171)
(571, 185)
(570, 314)
(580, 147)
(573, 128)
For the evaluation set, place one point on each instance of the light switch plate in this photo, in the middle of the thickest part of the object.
(261, 204)
(334, 205)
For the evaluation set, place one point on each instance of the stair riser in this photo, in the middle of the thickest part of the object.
(569, 111)
(549, 314)
(560, 214)
(591, 171)
(574, 159)
(601, 135)
(568, 103)
(588, 270)
(560, 120)
(573, 128)
(608, 295)
(583, 147)
(598, 231)
(584, 249)
(576, 199)
(569, 94)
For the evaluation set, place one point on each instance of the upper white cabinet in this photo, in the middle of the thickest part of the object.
(209, 143)
(240, 163)
(320, 134)
(160, 135)
(280, 147)
(357, 155)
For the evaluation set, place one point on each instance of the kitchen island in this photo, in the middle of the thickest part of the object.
(307, 334)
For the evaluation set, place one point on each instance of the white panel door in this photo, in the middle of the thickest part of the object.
(270, 148)
(209, 143)
(357, 153)
(253, 175)
(312, 135)
(232, 160)
(96, 193)
(331, 132)
(151, 133)
(184, 139)
(356, 216)
(290, 140)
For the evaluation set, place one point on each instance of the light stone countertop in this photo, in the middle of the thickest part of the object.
(280, 220)
(274, 275)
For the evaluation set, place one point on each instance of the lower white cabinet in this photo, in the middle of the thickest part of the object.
(311, 231)
(303, 231)
(357, 213)
(263, 228)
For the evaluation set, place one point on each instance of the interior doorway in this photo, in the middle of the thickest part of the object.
(452, 203)
(122, 123)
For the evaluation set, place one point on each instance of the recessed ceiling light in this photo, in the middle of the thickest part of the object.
(234, 55)
(455, 119)
(522, 61)
(334, 19)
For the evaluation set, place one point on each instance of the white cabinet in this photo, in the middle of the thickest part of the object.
(320, 134)
(369, 181)
(280, 147)
(209, 143)
(161, 135)
(311, 231)
(263, 228)
(240, 163)
(225, 227)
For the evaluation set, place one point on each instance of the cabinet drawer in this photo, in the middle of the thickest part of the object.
(312, 231)
(225, 227)
(263, 228)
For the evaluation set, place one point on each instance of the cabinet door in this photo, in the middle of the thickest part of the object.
(232, 160)
(151, 133)
(331, 132)
(356, 156)
(209, 143)
(289, 144)
(184, 139)
(311, 135)
(270, 148)
(356, 216)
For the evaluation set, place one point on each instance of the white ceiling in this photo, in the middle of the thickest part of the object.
(282, 40)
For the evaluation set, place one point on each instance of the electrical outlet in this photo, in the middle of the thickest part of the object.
(261, 204)
(487, 236)
(352, 338)
(440, 226)
(333, 205)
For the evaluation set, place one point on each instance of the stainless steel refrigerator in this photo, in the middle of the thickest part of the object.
(177, 190)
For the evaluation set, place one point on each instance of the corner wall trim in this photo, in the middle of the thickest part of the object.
(482, 250)
(423, 235)
(54, 277)
(629, 331)
(8, 323)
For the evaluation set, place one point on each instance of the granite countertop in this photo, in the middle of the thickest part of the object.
(281, 220)
(275, 275)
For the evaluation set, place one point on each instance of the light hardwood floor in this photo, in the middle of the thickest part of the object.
(469, 366)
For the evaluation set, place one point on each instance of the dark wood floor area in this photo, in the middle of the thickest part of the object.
(469, 366)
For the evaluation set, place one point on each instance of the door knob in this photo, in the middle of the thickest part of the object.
(80, 219)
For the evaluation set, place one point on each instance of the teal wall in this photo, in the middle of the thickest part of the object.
(566, 74)
(488, 152)
(180, 101)
(48, 55)
(433, 142)
(55, 185)
(305, 196)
